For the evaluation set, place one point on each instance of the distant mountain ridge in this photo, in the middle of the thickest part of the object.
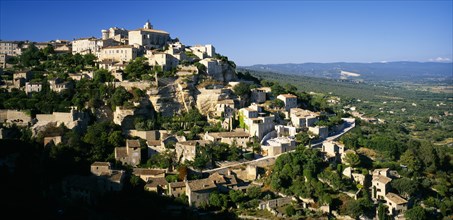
(387, 71)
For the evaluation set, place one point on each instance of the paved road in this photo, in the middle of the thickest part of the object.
(349, 124)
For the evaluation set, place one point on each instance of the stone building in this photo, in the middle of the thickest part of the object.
(240, 138)
(186, 150)
(278, 146)
(33, 87)
(259, 95)
(301, 118)
(11, 48)
(164, 60)
(332, 150)
(198, 191)
(290, 100)
(118, 53)
(148, 37)
(130, 155)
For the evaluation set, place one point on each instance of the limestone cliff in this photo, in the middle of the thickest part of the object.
(173, 95)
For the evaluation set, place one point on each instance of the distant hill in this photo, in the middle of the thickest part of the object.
(383, 71)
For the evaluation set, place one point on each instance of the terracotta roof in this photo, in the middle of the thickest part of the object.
(177, 184)
(154, 182)
(202, 184)
(381, 179)
(100, 164)
(288, 95)
(144, 171)
(151, 30)
(194, 142)
(118, 46)
(153, 142)
(229, 134)
(120, 152)
(132, 143)
(395, 198)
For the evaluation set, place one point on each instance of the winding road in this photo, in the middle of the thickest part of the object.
(349, 124)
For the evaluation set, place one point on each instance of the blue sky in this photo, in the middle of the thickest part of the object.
(255, 32)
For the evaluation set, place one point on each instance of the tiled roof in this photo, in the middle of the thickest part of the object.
(144, 171)
(100, 164)
(133, 143)
(229, 134)
(288, 95)
(120, 152)
(194, 142)
(381, 179)
(118, 46)
(395, 198)
(153, 142)
(151, 30)
(154, 182)
(177, 184)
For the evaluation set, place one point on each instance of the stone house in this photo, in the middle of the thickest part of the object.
(301, 118)
(290, 100)
(118, 53)
(240, 138)
(332, 150)
(198, 190)
(146, 174)
(176, 189)
(33, 87)
(224, 108)
(186, 150)
(131, 154)
(278, 146)
(158, 185)
(59, 85)
(395, 204)
(259, 95)
(321, 131)
(380, 186)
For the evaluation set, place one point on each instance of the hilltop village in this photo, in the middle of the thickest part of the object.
(137, 109)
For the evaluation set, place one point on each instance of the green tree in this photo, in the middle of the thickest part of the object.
(136, 68)
(242, 89)
(119, 97)
(382, 212)
(30, 56)
(352, 159)
(102, 76)
(236, 196)
(290, 210)
(410, 159)
(254, 192)
(116, 139)
(405, 186)
(88, 59)
(416, 213)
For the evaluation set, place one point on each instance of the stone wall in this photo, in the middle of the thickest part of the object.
(20, 118)
(143, 85)
(207, 99)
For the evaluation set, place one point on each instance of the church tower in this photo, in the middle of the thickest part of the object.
(147, 25)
